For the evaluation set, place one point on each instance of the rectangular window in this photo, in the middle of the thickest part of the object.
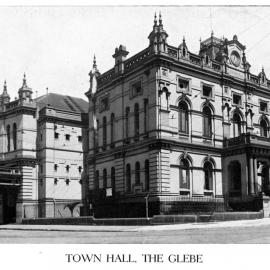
(79, 138)
(40, 137)
(55, 181)
(104, 104)
(183, 85)
(226, 90)
(55, 167)
(67, 168)
(263, 106)
(67, 182)
(237, 99)
(207, 91)
(67, 137)
(56, 135)
(136, 88)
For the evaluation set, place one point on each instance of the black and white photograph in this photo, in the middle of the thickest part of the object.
(135, 125)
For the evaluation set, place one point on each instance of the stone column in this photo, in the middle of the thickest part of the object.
(251, 176)
(255, 176)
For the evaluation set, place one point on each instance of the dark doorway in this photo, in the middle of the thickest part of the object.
(8, 197)
(235, 179)
(265, 180)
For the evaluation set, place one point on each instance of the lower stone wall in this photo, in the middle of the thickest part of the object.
(156, 220)
(164, 205)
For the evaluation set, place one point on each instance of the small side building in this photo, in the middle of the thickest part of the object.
(41, 155)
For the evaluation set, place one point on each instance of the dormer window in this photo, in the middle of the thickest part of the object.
(263, 106)
(207, 91)
(237, 99)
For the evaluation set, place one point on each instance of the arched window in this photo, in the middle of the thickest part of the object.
(236, 125)
(8, 138)
(96, 184)
(147, 175)
(104, 132)
(127, 122)
(112, 127)
(104, 178)
(137, 173)
(146, 115)
(128, 178)
(263, 128)
(208, 176)
(14, 136)
(207, 122)
(183, 117)
(136, 120)
(113, 180)
(184, 174)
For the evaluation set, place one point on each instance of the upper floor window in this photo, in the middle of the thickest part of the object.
(80, 169)
(207, 91)
(104, 131)
(67, 168)
(263, 106)
(79, 138)
(112, 127)
(207, 122)
(182, 85)
(8, 138)
(55, 167)
(263, 128)
(104, 104)
(136, 88)
(56, 135)
(236, 125)
(14, 136)
(136, 120)
(146, 114)
(127, 122)
(237, 99)
(67, 137)
(183, 117)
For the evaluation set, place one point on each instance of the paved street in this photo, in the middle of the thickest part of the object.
(244, 232)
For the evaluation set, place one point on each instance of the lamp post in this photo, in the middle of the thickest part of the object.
(146, 205)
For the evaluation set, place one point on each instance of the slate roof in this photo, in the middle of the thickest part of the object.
(63, 102)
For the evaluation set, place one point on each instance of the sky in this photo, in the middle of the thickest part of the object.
(55, 46)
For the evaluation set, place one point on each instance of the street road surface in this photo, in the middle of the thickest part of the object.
(240, 232)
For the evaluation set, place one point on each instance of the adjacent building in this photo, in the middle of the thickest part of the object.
(171, 131)
(41, 154)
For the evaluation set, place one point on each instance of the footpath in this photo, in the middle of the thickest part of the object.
(113, 228)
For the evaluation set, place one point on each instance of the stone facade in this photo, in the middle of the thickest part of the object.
(41, 155)
(172, 131)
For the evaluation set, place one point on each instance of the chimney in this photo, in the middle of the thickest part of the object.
(120, 56)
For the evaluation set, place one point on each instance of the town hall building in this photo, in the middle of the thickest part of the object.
(171, 131)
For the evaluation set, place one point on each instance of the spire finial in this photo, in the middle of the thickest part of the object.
(5, 87)
(212, 33)
(155, 19)
(24, 79)
(160, 19)
(94, 62)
